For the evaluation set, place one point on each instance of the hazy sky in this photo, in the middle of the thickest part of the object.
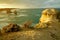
(31, 3)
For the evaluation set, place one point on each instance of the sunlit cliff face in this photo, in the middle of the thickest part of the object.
(47, 15)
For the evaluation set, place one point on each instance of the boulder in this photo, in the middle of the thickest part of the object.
(10, 28)
(27, 24)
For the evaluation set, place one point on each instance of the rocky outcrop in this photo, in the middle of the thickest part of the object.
(27, 24)
(9, 10)
(48, 17)
(11, 28)
(14, 27)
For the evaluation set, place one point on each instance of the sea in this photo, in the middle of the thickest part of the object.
(23, 15)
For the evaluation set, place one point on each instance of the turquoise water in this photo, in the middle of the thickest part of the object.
(22, 16)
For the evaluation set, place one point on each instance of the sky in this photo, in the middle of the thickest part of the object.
(30, 3)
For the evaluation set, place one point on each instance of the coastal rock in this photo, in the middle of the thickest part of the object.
(11, 28)
(48, 17)
(27, 24)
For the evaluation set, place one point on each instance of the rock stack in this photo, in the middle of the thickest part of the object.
(48, 17)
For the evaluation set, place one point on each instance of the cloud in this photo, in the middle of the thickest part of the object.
(51, 4)
(23, 3)
(32, 3)
(49, 1)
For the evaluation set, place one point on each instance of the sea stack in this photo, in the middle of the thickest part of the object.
(48, 17)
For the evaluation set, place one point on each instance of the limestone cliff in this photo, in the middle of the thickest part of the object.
(48, 18)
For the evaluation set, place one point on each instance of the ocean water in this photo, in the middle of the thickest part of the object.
(22, 16)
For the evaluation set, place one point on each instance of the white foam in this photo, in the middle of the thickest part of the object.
(21, 15)
(4, 19)
(3, 24)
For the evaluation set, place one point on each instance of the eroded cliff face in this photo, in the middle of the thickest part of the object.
(48, 18)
